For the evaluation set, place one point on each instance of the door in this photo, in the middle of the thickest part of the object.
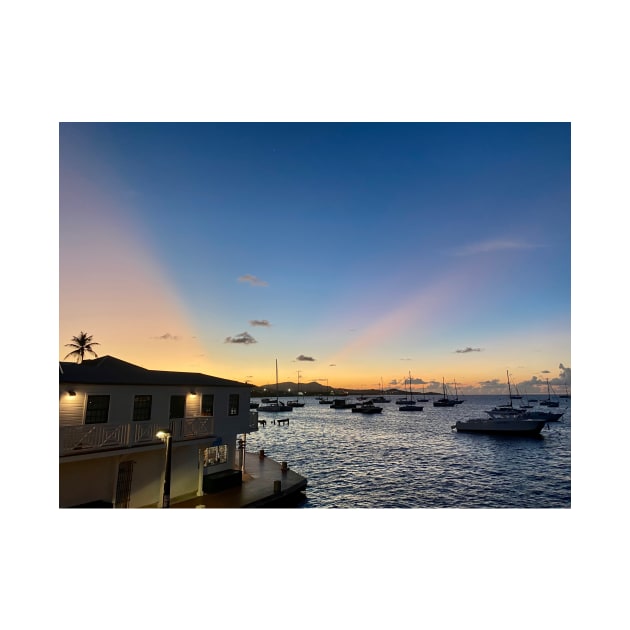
(123, 484)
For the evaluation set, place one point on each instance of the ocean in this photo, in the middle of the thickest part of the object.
(399, 459)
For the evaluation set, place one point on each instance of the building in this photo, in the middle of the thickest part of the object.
(131, 437)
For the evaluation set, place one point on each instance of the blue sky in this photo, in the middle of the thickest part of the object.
(367, 250)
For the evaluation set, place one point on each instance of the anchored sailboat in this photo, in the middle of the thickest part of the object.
(278, 405)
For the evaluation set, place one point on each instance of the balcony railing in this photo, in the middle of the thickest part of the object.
(101, 437)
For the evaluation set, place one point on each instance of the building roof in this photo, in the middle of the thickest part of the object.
(112, 371)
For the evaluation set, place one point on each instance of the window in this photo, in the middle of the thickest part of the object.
(178, 407)
(233, 407)
(97, 409)
(207, 405)
(215, 455)
(142, 407)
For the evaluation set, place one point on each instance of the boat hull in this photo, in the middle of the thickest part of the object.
(410, 408)
(508, 426)
(275, 408)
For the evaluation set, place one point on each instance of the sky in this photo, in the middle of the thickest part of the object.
(356, 254)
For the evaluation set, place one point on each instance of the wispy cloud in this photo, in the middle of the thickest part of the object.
(488, 247)
(243, 337)
(406, 359)
(259, 322)
(304, 358)
(253, 280)
(167, 337)
(332, 365)
(468, 349)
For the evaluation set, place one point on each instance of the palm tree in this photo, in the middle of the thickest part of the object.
(81, 344)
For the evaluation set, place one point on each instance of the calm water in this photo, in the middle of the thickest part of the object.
(402, 459)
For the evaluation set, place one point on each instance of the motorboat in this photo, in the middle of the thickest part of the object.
(366, 407)
(342, 403)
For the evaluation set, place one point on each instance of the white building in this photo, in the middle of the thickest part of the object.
(110, 413)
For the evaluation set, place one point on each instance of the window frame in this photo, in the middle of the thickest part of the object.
(142, 407)
(96, 412)
(233, 409)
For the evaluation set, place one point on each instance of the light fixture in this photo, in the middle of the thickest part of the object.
(71, 392)
(193, 392)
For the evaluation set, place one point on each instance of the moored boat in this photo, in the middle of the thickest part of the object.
(342, 403)
(366, 407)
(500, 426)
(445, 401)
(277, 405)
(410, 404)
(548, 402)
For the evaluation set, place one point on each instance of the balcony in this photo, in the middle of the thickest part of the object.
(90, 438)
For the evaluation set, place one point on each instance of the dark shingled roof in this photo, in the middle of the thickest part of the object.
(112, 371)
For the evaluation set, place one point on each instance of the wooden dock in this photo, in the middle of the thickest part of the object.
(266, 483)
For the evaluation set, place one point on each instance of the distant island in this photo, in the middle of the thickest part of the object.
(288, 388)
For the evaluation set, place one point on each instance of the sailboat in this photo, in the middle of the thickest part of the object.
(457, 400)
(424, 397)
(445, 401)
(381, 398)
(278, 405)
(296, 402)
(324, 400)
(507, 410)
(549, 402)
(410, 405)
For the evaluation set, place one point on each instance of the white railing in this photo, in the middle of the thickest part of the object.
(101, 437)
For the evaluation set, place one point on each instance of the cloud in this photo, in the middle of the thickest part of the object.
(243, 337)
(167, 336)
(468, 349)
(406, 359)
(253, 280)
(488, 247)
(546, 372)
(303, 358)
(565, 374)
(259, 322)
(332, 365)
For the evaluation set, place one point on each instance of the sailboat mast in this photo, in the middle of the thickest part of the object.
(509, 387)
(277, 388)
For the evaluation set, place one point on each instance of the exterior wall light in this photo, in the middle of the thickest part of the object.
(193, 392)
(71, 392)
